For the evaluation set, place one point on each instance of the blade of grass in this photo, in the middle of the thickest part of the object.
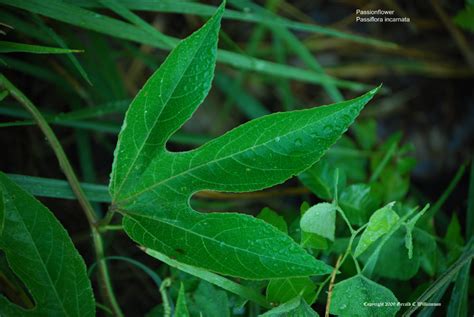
(297, 47)
(228, 285)
(133, 18)
(13, 47)
(188, 7)
(36, 72)
(55, 188)
(444, 196)
(103, 65)
(74, 61)
(103, 24)
(470, 205)
(23, 25)
(444, 278)
(436, 298)
(283, 86)
(459, 297)
(386, 158)
(249, 105)
(72, 119)
(114, 128)
(255, 39)
(76, 115)
(236, 84)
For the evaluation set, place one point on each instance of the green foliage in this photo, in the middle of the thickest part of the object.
(274, 219)
(283, 290)
(359, 201)
(42, 255)
(390, 257)
(379, 224)
(201, 302)
(181, 308)
(320, 220)
(361, 217)
(296, 307)
(465, 18)
(320, 179)
(11, 47)
(76, 15)
(152, 186)
(359, 296)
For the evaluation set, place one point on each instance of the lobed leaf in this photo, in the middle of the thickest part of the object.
(42, 255)
(152, 186)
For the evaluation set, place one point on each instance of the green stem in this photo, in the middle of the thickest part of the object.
(164, 297)
(343, 215)
(447, 192)
(348, 251)
(75, 186)
(356, 263)
(321, 286)
(336, 184)
(111, 228)
(107, 218)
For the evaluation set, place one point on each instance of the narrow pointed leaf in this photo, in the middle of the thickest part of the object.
(152, 186)
(13, 47)
(243, 291)
(181, 307)
(42, 255)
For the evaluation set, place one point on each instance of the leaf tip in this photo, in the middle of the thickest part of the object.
(375, 90)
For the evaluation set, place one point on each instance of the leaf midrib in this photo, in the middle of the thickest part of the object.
(231, 155)
(116, 192)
